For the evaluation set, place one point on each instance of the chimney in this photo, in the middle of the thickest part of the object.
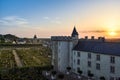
(86, 37)
(103, 39)
(92, 37)
(99, 38)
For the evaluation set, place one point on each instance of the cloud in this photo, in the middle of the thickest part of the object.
(97, 31)
(13, 21)
(46, 18)
(56, 21)
(57, 18)
(93, 31)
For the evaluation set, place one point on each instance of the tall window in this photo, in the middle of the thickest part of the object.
(97, 66)
(89, 63)
(98, 57)
(78, 54)
(112, 69)
(112, 59)
(78, 61)
(89, 55)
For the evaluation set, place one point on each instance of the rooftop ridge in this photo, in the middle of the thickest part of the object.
(61, 38)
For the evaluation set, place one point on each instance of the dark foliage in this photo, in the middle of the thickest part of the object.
(102, 78)
(80, 72)
(61, 76)
(68, 68)
(54, 73)
(26, 73)
(90, 74)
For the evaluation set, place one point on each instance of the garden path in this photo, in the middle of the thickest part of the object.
(17, 59)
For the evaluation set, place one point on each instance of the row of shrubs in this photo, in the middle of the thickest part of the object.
(24, 73)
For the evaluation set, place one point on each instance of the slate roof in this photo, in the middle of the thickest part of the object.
(74, 32)
(109, 48)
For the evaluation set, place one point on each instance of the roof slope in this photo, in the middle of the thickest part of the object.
(98, 47)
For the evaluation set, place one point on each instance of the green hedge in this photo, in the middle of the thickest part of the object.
(24, 73)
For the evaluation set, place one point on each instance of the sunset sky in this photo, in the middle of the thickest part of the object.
(46, 18)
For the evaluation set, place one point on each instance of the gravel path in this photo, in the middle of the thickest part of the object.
(17, 59)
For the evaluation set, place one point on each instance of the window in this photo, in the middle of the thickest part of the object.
(89, 64)
(78, 61)
(98, 57)
(78, 54)
(97, 66)
(112, 69)
(112, 59)
(89, 55)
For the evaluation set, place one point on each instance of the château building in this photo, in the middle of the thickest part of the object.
(94, 56)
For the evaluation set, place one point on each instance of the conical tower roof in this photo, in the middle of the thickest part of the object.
(35, 36)
(74, 32)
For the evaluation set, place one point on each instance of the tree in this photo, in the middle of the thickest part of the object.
(2, 39)
(52, 67)
(80, 73)
(47, 71)
(102, 78)
(53, 75)
(68, 70)
(90, 75)
(61, 76)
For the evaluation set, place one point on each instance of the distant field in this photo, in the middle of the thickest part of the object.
(34, 60)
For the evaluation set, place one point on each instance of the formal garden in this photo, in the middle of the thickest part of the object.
(34, 61)
(7, 59)
(34, 57)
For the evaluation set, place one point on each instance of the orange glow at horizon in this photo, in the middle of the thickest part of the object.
(112, 33)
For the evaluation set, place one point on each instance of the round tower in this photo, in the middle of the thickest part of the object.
(75, 36)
